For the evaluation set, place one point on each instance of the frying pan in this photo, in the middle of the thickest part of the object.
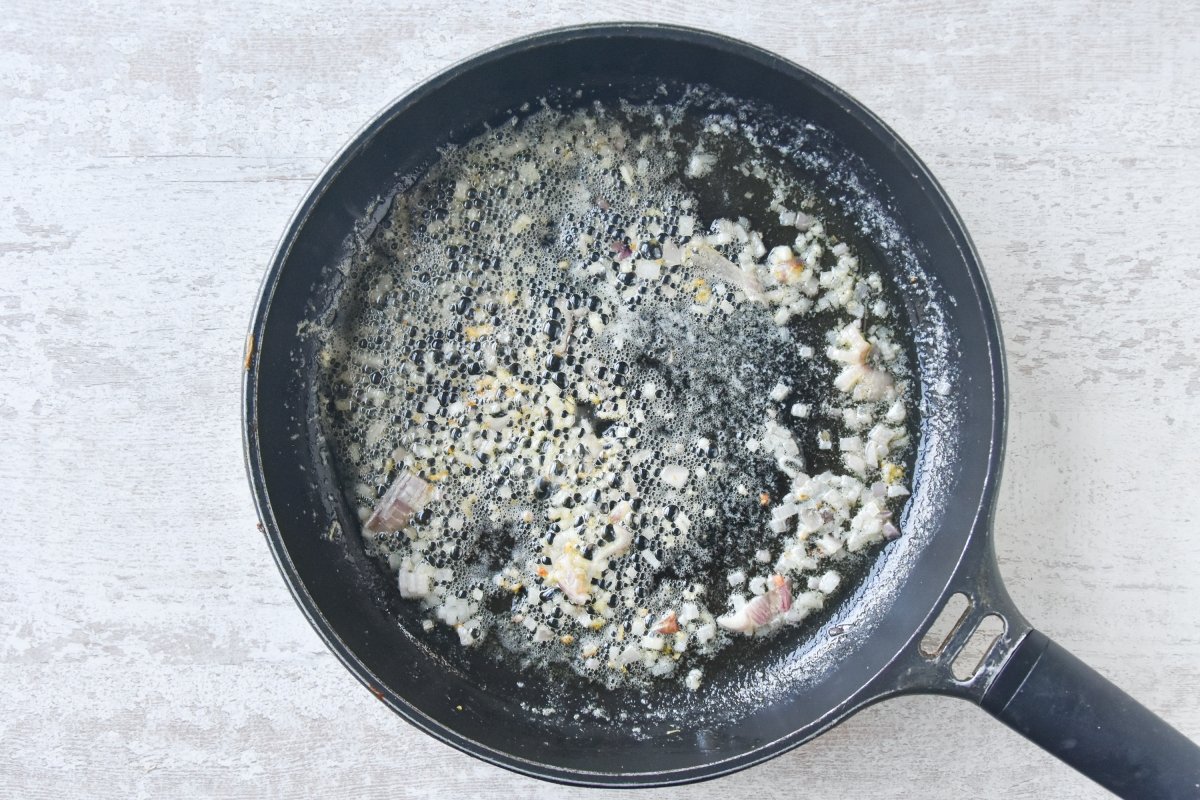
(768, 696)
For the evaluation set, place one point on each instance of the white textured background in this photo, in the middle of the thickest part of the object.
(150, 156)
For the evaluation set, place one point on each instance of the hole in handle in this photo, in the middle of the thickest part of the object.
(970, 658)
(945, 625)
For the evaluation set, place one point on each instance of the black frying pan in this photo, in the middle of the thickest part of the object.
(773, 696)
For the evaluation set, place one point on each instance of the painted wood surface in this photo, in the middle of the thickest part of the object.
(150, 155)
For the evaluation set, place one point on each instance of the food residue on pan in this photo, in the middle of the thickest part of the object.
(592, 426)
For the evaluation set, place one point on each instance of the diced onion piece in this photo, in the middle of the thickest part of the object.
(570, 571)
(620, 511)
(762, 609)
(829, 582)
(407, 495)
(853, 349)
(413, 583)
(663, 666)
(780, 515)
(674, 475)
(705, 258)
(873, 386)
(647, 270)
(700, 164)
(520, 224)
(667, 624)
(617, 547)
(528, 172)
(672, 255)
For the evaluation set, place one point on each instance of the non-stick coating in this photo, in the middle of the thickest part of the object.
(787, 692)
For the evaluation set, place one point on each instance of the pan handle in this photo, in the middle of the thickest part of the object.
(1046, 694)
(1064, 706)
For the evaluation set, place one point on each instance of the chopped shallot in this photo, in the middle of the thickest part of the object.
(718, 266)
(700, 164)
(570, 570)
(786, 268)
(618, 546)
(762, 609)
(413, 583)
(619, 512)
(407, 495)
(674, 475)
(620, 250)
(668, 624)
(857, 376)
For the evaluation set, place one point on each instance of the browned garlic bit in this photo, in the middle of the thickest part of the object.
(565, 399)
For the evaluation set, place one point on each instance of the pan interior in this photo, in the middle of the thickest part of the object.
(759, 696)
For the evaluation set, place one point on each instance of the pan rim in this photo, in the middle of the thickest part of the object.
(321, 184)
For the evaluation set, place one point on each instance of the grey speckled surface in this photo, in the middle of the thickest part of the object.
(152, 155)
